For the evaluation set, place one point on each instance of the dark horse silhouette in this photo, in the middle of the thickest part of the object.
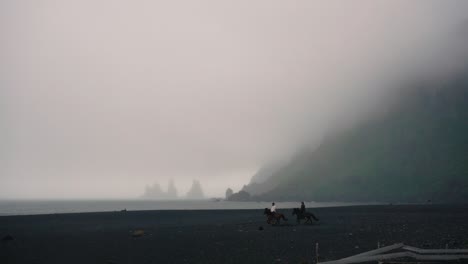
(304, 215)
(273, 218)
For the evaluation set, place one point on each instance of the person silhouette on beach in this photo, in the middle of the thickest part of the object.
(303, 209)
(273, 208)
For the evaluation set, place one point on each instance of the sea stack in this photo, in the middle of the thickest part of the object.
(195, 191)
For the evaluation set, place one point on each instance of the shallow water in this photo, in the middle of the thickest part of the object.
(29, 207)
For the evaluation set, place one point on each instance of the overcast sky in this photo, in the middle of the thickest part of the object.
(99, 98)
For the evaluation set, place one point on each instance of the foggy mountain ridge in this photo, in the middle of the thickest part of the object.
(259, 182)
(265, 172)
(134, 94)
(415, 152)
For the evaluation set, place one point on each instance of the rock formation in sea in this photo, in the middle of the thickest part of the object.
(229, 192)
(171, 190)
(155, 192)
(196, 191)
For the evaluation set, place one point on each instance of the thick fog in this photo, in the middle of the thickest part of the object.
(100, 98)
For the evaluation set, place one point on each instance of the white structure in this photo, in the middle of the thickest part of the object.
(402, 251)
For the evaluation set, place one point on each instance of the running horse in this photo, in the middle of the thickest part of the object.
(273, 217)
(304, 215)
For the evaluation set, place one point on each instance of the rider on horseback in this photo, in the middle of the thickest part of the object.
(273, 216)
(273, 208)
(302, 214)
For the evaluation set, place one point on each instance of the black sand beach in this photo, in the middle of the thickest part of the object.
(229, 236)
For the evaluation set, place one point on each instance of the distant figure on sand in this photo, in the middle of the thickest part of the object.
(273, 208)
(302, 214)
(273, 216)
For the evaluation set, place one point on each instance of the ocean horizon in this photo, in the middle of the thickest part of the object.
(35, 207)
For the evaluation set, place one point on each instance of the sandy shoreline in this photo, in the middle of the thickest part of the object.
(226, 236)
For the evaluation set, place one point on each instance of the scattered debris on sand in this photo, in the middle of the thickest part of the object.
(138, 233)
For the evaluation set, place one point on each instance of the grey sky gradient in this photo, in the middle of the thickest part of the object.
(100, 98)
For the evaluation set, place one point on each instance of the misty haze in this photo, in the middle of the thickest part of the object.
(252, 126)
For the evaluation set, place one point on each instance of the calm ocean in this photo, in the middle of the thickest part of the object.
(29, 207)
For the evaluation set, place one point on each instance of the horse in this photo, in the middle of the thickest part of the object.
(273, 217)
(304, 215)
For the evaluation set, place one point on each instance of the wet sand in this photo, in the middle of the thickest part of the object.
(226, 236)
